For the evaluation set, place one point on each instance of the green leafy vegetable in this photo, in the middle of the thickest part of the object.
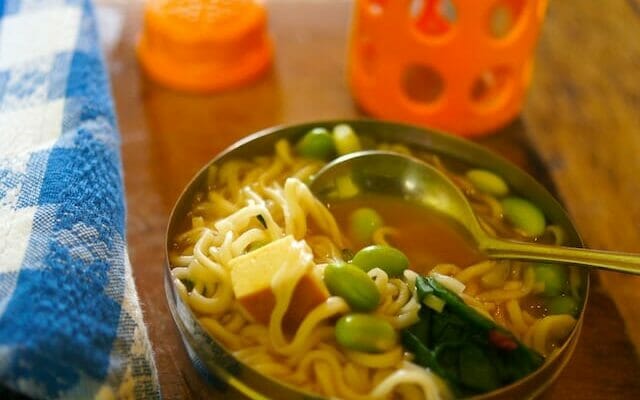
(476, 369)
(471, 352)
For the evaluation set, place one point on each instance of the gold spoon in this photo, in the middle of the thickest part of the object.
(414, 180)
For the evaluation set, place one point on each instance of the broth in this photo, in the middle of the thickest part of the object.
(425, 237)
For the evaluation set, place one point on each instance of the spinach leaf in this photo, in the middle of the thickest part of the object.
(471, 352)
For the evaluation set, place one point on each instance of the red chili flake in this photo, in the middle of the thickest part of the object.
(502, 340)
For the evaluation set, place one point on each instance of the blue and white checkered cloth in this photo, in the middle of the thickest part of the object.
(70, 320)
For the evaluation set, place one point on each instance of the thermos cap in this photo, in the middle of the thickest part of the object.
(204, 45)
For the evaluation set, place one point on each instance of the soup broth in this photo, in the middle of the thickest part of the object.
(424, 236)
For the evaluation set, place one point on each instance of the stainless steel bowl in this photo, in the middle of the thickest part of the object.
(240, 380)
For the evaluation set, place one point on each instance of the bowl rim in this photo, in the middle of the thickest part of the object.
(438, 142)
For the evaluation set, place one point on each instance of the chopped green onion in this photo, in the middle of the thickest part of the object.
(434, 302)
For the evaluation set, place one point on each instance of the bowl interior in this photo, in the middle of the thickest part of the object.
(216, 358)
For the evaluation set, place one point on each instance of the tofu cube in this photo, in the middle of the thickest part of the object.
(252, 273)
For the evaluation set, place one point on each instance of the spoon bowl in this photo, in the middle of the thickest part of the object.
(414, 180)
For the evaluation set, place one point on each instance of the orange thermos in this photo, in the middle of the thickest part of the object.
(462, 66)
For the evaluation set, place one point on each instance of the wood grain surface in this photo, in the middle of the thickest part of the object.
(584, 120)
(581, 120)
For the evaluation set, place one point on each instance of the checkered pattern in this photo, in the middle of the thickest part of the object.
(70, 321)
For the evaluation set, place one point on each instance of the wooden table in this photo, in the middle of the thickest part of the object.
(581, 120)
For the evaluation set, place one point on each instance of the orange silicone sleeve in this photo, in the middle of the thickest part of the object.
(481, 79)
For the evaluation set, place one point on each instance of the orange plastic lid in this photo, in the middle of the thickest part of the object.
(204, 45)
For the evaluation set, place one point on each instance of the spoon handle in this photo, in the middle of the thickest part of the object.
(607, 260)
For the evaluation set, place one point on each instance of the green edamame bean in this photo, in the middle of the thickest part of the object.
(387, 258)
(363, 222)
(363, 332)
(553, 276)
(353, 285)
(524, 215)
(563, 305)
(488, 182)
(345, 139)
(317, 143)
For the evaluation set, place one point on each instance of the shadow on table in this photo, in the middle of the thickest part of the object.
(187, 130)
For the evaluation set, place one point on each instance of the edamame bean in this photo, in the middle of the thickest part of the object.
(345, 139)
(363, 332)
(524, 215)
(317, 143)
(363, 222)
(488, 182)
(563, 305)
(387, 258)
(553, 276)
(353, 285)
